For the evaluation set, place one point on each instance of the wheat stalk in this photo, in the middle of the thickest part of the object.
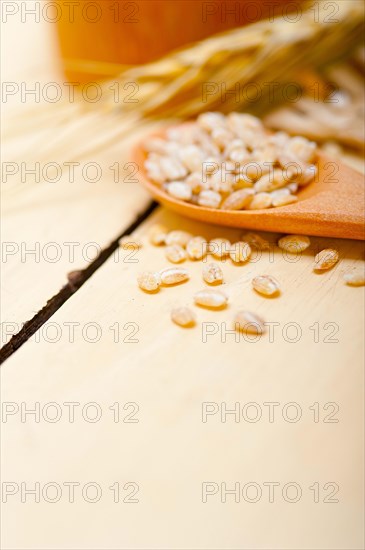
(262, 52)
(267, 51)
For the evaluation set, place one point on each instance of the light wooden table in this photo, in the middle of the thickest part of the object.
(163, 438)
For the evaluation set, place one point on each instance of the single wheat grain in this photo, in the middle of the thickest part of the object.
(210, 298)
(266, 285)
(178, 237)
(354, 278)
(173, 275)
(212, 273)
(245, 321)
(325, 259)
(240, 252)
(183, 316)
(149, 281)
(294, 243)
(175, 253)
(197, 248)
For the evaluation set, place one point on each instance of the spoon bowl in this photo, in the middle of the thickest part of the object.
(333, 205)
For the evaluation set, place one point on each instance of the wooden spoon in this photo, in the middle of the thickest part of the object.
(332, 206)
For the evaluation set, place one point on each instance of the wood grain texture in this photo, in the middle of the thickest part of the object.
(58, 222)
(50, 229)
(75, 279)
(169, 372)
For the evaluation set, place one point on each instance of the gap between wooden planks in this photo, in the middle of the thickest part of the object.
(76, 280)
(59, 217)
(50, 228)
(169, 372)
(50, 225)
(139, 356)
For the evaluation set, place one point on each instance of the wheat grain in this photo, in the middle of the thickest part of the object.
(326, 259)
(212, 273)
(149, 281)
(183, 316)
(245, 321)
(211, 298)
(240, 252)
(175, 253)
(266, 285)
(294, 243)
(173, 275)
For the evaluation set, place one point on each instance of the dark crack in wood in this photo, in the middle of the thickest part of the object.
(75, 281)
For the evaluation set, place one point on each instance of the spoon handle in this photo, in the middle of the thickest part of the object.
(335, 204)
(332, 206)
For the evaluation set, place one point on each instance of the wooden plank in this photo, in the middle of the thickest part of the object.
(61, 222)
(169, 373)
(315, 356)
(50, 229)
